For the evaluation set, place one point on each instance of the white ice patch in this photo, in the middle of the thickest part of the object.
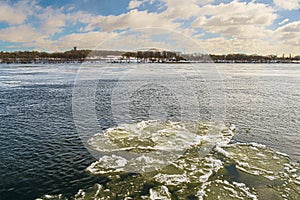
(107, 164)
(171, 179)
(222, 151)
(156, 143)
(160, 193)
(201, 193)
(205, 177)
(115, 161)
(282, 154)
(245, 189)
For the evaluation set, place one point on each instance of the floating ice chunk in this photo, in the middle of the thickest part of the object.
(160, 193)
(232, 127)
(234, 192)
(114, 161)
(171, 179)
(201, 193)
(216, 163)
(261, 155)
(205, 177)
(48, 196)
(245, 189)
(243, 164)
(221, 151)
(99, 188)
(80, 194)
(107, 164)
(253, 148)
(282, 154)
(271, 177)
(149, 138)
(254, 144)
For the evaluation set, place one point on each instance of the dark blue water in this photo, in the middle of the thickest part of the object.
(40, 150)
(42, 153)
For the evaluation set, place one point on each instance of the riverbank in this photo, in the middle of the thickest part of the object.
(147, 56)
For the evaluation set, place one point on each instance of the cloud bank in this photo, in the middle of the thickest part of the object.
(226, 27)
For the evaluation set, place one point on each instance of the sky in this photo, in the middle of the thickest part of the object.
(262, 27)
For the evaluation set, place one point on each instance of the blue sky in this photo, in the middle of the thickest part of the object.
(214, 26)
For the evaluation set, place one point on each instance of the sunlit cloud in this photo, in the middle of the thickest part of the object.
(288, 4)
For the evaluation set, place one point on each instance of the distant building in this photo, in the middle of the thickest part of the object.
(75, 48)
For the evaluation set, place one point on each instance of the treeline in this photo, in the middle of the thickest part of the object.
(36, 56)
(253, 58)
(154, 56)
(151, 55)
(81, 55)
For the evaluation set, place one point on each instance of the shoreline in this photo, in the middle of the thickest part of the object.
(128, 62)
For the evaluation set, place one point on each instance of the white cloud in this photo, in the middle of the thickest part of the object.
(53, 25)
(236, 19)
(81, 40)
(289, 34)
(84, 40)
(178, 9)
(284, 21)
(21, 33)
(15, 13)
(222, 45)
(133, 19)
(54, 20)
(135, 4)
(134, 41)
(288, 4)
(102, 40)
